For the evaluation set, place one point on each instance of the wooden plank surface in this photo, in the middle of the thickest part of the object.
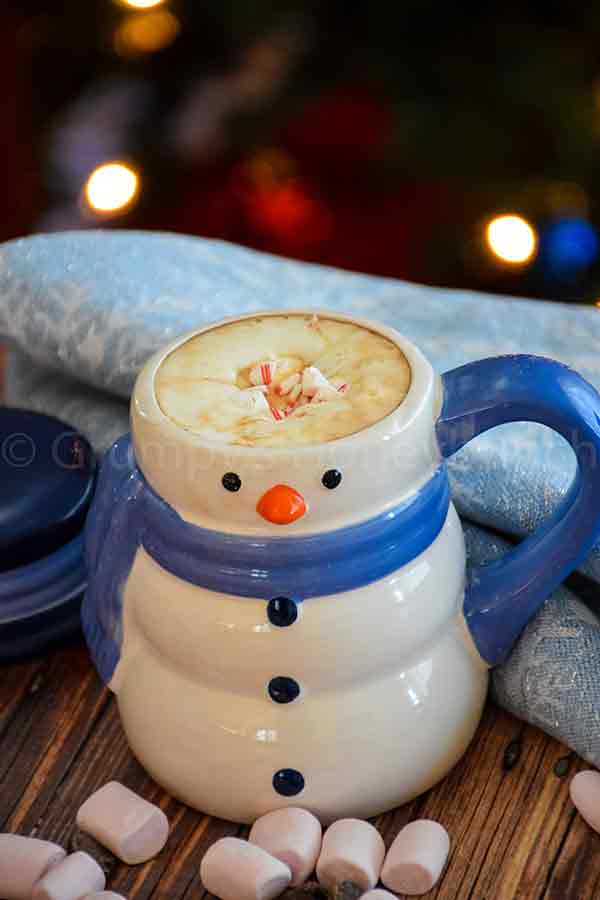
(506, 805)
(514, 831)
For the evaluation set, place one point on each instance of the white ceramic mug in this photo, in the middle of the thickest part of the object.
(340, 663)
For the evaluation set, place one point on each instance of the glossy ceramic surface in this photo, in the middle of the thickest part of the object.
(47, 472)
(326, 662)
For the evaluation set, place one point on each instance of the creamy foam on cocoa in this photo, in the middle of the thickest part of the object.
(282, 381)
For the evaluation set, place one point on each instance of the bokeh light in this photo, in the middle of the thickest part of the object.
(570, 244)
(112, 188)
(146, 34)
(511, 238)
(142, 4)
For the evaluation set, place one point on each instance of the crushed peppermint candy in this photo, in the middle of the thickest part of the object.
(254, 400)
(314, 381)
(263, 372)
(298, 388)
(286, 385)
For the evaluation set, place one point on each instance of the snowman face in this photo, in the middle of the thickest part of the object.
(292, 488)
(295, 504)
(281, 504)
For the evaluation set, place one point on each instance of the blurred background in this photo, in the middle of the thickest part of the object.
(452, 144)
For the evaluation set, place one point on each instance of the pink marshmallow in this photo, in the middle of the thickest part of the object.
(71, 879)
(585, 794)
(104, 895)
(237, 870)
(131, 827)
(23, 861)
(378, 894)
(352, 850)
(291, 835)
(416, 858)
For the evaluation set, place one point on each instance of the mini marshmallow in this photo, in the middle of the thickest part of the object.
(23, 861)
(233, 869)
(352, 850)
(378, 894)
(131, 827)
(293, 836)
(263, 372)
(416, 858)
(104, 895)
(71, 879)
(585, 794)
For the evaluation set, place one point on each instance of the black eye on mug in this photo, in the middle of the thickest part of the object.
(331, 479)
(231, 482)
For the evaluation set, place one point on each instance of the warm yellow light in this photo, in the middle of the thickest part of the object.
(511, 239)
(111, 187)
(146, 34)
(142, 4)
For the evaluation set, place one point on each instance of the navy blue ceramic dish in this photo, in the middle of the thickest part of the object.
(47, 478)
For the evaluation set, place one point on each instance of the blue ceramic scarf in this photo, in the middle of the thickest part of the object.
(127, 514)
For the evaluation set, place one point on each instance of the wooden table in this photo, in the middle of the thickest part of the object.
(506, 805)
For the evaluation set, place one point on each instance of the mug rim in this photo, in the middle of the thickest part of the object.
(401, 417)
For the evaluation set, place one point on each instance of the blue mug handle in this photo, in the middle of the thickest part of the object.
(502, 596)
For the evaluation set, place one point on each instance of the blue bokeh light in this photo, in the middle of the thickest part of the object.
(569, 244)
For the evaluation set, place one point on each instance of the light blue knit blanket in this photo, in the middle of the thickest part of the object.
(82, 312)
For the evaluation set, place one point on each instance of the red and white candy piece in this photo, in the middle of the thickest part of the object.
(131, 827)
(293, 836)
(292, 382)
(71, 879)
(340, 385)
(233, 869)
(352, 850)
(313, 382)
(416, 858)
(585, 794)
(23, 861)
(254, 400)
(263, 372)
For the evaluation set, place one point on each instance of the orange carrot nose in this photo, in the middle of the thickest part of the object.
(281, 505)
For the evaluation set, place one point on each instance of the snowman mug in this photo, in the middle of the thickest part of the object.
(340, 663)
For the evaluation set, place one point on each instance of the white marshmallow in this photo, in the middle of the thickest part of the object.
(71, 879)
(352, 850)
(23, 861)
(585, 794)
(131, 827)
(416, 858)
(233, 869)
(293, 836)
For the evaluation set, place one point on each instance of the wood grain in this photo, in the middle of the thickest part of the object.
(514, 831)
